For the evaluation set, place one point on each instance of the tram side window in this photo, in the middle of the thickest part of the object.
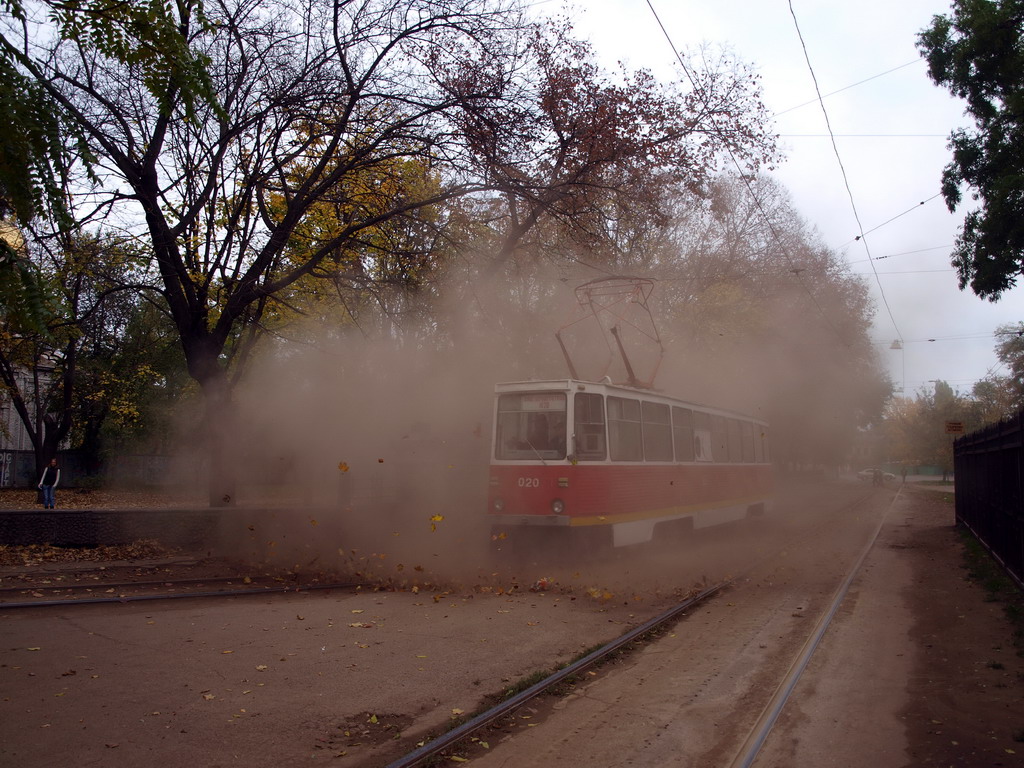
(719, 440)
(624, 431)
(657, 432)
(588, 426)
(702, 436)
(748, 441)
(735, 445)
(682, 433)
(531, 426)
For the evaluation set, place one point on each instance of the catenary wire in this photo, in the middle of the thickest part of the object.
(848, 87)
(842, 169)
(889, 221)
(746, 181)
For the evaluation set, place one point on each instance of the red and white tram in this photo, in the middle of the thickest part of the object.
(606, 463)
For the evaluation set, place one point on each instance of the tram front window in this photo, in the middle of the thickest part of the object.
(531, 426)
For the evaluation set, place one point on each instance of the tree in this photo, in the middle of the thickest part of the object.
(750, 291)
(325, 107)
(39, 368)
(311, 100)
(34, 166)
(571, 142)
(130, 380)
(1010, 351)
(994, 399)
(916, 429)
(978, 54)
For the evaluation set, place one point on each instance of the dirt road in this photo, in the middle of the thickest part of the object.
(917, 669)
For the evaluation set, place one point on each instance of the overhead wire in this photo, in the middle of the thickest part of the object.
(832, 136)
(744, 177)
(847, 87)
(904, 272)
(890, 221)
(864, 135)
(842, 169)
(902, 253)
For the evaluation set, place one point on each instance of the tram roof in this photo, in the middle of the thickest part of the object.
(607, 387)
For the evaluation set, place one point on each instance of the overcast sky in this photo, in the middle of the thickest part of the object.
(890, 132)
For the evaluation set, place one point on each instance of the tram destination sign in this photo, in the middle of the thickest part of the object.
(954, 427)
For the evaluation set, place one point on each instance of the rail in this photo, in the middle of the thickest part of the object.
(433, 748)
(125, 598)
(757, 735)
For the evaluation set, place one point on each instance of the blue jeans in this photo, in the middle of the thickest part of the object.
(48, 496)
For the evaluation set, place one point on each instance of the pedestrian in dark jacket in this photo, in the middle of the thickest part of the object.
(48, 484)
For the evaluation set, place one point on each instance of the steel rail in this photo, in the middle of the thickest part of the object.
(759, 733)
(176, 596)
(109, 585)
(432, 748)
(455, 735)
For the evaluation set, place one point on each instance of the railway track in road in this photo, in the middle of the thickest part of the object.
(505, 708)
(123, 597)
(95, 586)
(698, 657)
(755, 736)
(751, 746)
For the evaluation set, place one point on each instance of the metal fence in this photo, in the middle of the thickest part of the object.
(989, 469)
(18, 469)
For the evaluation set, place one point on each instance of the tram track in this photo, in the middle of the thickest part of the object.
(757, 735)
(133, 598)
(440, 744)
(754, 739)
(115, 584)
(578, 691)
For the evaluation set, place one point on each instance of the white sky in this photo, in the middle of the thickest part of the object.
(891, 138)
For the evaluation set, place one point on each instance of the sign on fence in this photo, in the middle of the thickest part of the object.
(954, 427)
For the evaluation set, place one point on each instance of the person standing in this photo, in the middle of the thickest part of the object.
(48, 483)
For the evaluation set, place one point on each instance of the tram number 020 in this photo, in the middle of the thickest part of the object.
(528, 482)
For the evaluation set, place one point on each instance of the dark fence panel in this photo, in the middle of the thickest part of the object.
(989, 470)
(18, 469)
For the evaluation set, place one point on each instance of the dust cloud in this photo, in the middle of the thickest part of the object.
(367, 452)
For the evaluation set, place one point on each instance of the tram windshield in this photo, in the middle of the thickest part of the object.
(531, 425)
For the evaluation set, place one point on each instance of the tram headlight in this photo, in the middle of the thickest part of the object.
(558, 506)
(499, 505)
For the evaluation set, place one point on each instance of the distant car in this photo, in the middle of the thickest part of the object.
(869, 473)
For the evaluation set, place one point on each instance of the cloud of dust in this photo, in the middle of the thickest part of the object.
(370, 454)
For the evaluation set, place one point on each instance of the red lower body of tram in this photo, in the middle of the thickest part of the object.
(624, 502)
